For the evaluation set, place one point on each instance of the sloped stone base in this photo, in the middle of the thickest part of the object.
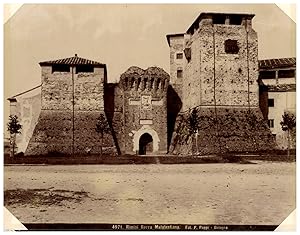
(54, 133)
(223, 130)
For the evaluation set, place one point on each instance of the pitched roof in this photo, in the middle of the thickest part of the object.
(282, 87)
(13, 98)
(277, 63)
(75, 60)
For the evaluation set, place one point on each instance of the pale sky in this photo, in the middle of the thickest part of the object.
(119, 36)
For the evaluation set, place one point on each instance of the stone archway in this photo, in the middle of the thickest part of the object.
(145, 129)
(145, 144)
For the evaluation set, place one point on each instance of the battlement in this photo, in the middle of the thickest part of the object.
(213, 18)
(152, 79)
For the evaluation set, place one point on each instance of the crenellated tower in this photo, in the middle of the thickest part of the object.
(144, 110)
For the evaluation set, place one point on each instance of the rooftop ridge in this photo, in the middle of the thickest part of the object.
(277, 63)
(75, 60)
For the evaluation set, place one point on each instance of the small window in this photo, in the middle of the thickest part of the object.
(179, 56)
(60, 68)
(219, 19)
(179, 73)
(84, 69)
(286, 73)
(270, 102)
(267, 74)
(271, 123)
(231, 46)
(235, 20)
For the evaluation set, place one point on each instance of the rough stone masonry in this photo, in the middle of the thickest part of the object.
(72, 99)
(213, 69)
(220, 74)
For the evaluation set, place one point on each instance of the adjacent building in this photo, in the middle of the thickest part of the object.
(277, 79)
(27, 107)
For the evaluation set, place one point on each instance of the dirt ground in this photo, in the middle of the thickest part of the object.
(261, 193)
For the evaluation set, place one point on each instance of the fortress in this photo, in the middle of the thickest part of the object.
(213, 69)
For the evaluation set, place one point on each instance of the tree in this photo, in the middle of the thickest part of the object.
(193, 125)
(102, 127)
(288, 124)
(14, 127)
(254, 124)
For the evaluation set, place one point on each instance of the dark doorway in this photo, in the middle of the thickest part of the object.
(145, 144)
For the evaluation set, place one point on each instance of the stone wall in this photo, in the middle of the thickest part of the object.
(64, 128)
(54, 133)
(214, 77)
(88, 91)
(223, 130)
(236, 74)
(58, 90)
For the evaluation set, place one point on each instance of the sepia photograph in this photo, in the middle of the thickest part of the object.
(149, 117)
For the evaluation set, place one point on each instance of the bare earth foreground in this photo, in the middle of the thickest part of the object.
(261, 194)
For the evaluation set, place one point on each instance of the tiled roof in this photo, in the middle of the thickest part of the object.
(75, 60)
(277, 63)
(282, 88)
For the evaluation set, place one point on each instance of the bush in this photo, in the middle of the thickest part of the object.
(20, 154)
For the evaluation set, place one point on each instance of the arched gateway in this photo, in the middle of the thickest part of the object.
(145, 144)
(145, 141)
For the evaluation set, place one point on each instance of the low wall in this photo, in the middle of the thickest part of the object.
(133, 159)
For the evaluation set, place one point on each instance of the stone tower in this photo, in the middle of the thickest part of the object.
(220, 75)
(220, 64)
(177, 62)
(71, 101)
(144, 110)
